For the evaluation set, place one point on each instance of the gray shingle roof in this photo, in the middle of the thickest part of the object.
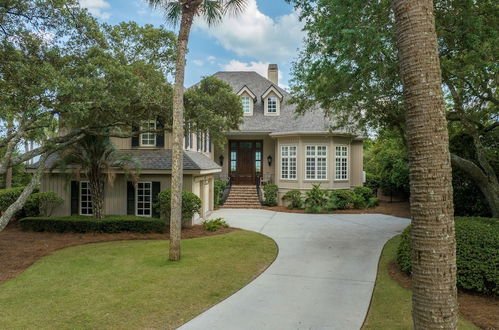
(312, 121)
(158, 159)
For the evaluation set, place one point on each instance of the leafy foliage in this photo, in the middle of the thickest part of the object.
(191, 204)
(84, 224)
(219, 189)
(215, 224)
(270, 194)
(42, 204)
(344, 199)
(316, 199)
(294, 198)
(477, 254)
(364, 192)
(9, 196)
(372, 202)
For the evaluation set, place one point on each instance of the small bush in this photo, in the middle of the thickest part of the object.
(215, 224)
(358, 202)
(372, 202)
(344, 199)
(364, 192)
(42, 203)
(9, 196)
(84, 224)
(270, 194)
(219, 189)
(477, 254)
(294, 199)
(191, 204)
(316, 199)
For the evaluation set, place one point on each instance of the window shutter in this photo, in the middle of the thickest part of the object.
(160, 138)
(130, 198)
(75, 197)
(156, 189)
(135, 139)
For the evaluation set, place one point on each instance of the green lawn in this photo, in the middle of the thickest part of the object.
(130, 284)
(391, 304)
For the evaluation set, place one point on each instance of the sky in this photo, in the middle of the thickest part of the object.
(267, 32)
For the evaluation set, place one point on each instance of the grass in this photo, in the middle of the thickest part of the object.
(130, 284)
(391, 303)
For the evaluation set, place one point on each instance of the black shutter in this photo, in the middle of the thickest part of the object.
(160, 138)
(75, 197)
(135, 139)
(156, 189)
(130, 198)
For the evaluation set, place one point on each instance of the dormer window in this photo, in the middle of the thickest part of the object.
(272, 104)
(272, 99)
(148, 139)
(245, 100)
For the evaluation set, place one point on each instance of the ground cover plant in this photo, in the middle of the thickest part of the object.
(477, 254)
(270, 194)
(294, 198)
(215, 224)
(100, 284)
(85, 224)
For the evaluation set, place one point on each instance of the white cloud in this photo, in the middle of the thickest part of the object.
(211, 59)
(198, 62)
(256, 35)
(97, 7)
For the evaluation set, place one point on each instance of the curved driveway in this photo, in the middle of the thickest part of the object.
(323, 276)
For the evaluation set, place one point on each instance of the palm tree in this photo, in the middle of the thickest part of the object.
(433, 238)
(185, 11)
(96, 157)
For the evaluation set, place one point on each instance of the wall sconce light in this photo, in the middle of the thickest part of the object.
(269, 159)
(221, 159)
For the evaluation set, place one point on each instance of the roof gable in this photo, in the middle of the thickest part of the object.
(275, 91)
(248, 91)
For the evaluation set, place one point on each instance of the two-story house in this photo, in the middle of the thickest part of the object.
(273, 145)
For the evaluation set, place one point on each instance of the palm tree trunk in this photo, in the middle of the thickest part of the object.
(96, 184)
(433, 238)
(188, 12)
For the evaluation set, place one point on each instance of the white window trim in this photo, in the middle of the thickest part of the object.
(348, 162)
(296, 162)
(327, 161)
(250, 100)
(141, 135)
(79, 197)
(137, 201)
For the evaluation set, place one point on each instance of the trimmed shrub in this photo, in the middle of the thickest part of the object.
(372, 202)
(270, 194)
(191, 204)
(477, 254)
(42, 203)
(215, 224)
(9, 196)
(344, 199)
(294, 199)
(316, 199)
(219, 189)
(85, 224)
(364, 192)
(358, 202)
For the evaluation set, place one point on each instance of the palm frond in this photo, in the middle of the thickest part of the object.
(234, 7)
(172, 9)
(212, 11)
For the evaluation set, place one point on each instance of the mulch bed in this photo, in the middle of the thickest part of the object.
(483, 311)
(20, 249)
(398, 209)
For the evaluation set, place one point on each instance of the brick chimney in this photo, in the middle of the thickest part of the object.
(273, 74)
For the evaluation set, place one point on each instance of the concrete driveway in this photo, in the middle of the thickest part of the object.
(323, 276)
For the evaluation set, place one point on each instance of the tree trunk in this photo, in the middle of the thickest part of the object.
(188, 13)
(21, 200)
(96, 184)
(8, 178)
(433, 238)
(487, 183)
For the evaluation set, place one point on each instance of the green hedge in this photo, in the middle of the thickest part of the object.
(270, 194)
(191, 204)
(84, 224)
(477, 254)
(219, 189)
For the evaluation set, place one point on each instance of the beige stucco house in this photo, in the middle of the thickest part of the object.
(271, 146)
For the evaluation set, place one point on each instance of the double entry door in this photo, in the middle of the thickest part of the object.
(245, 161)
